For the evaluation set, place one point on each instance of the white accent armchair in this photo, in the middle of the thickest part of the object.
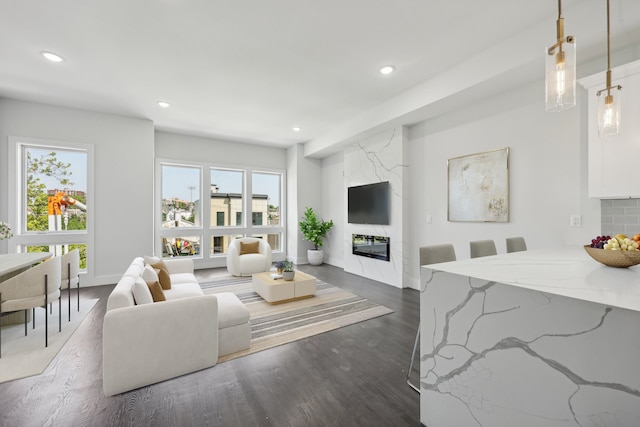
(241, 263)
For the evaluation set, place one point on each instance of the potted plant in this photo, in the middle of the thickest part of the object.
(314, 230)
(5, 231)
(279, 267)
(288, 273)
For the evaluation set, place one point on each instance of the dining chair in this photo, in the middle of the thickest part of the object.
(516, 244)
(33, 288)
(480, 248)
(432, 254)
(71, 275)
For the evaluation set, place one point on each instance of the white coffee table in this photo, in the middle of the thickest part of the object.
(279, 290)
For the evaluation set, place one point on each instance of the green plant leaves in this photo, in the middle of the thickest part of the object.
(314, 229)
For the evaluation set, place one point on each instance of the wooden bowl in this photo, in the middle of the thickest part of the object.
(620, 259)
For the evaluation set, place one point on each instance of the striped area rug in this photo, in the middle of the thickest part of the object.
(277, 324)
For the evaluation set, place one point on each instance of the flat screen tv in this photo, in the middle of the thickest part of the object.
(369, 204)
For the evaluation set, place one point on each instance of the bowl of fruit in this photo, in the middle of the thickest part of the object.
(617, 251)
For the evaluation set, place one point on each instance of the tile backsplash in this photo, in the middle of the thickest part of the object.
(620, 216)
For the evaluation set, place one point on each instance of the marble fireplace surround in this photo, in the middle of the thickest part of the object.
(536, 338)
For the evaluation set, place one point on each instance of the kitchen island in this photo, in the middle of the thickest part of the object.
(535, 338)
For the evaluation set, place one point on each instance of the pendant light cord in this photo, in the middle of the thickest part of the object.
(609, 86)
(559, 9)
(608, 42)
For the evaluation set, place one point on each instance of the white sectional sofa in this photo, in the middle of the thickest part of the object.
(144, 343)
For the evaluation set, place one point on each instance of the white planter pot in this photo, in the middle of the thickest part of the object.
(315, 257)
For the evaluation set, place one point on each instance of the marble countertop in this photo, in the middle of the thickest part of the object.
(569, 272)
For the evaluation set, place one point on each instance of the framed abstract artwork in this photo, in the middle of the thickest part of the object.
(478, 187)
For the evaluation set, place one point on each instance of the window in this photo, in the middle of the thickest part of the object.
(202, 212)
(179, 185)
(181, 246)
(50, 181)
(266, 197)
(256, 218)
(217, 245)
(220, 244)
(180, 210)
(227, 195)
(267, 206)
(55, 182)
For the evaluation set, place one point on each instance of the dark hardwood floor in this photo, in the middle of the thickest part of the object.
(353, 376)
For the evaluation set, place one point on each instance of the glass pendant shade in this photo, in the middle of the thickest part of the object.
(560, 81)
(609, 112)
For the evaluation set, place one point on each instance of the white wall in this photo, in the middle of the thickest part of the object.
(306, 191)
(123, 176)
(604, 181)
(193, 148)
(333, 208)
(292, 243)
(548, 173)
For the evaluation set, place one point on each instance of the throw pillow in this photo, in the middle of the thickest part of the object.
(150, 259)
(249, 248)
(149, 274)
(141, 292)
(156, 291)
(164, 278)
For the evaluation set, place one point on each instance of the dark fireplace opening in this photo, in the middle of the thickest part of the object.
(371, 246)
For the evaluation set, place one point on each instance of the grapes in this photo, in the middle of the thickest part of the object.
(619, 242)
(600, 241)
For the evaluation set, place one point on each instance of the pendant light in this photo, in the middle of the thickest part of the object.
(609, 105)
(560, 81)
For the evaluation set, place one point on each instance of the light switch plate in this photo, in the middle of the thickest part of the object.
(575, 221)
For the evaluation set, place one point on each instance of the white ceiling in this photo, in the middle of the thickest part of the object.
(250, 70)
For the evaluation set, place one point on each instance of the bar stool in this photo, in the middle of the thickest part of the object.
(516, 244)
(480, 248)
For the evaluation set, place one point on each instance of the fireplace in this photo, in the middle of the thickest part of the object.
(371, 246)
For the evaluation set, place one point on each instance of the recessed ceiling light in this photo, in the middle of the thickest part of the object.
(163, 104)
(52, 56)
(297, 129)
(387, 69)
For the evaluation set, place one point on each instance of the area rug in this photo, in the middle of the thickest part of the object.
(277, 324)
(26, 356)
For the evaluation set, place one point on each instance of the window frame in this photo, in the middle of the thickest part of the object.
(208, 231)
(17, 191)
(161, 232)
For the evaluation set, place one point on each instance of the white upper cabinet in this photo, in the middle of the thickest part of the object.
(614, 162)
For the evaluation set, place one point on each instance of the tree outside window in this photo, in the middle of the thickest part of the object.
(55, 196)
